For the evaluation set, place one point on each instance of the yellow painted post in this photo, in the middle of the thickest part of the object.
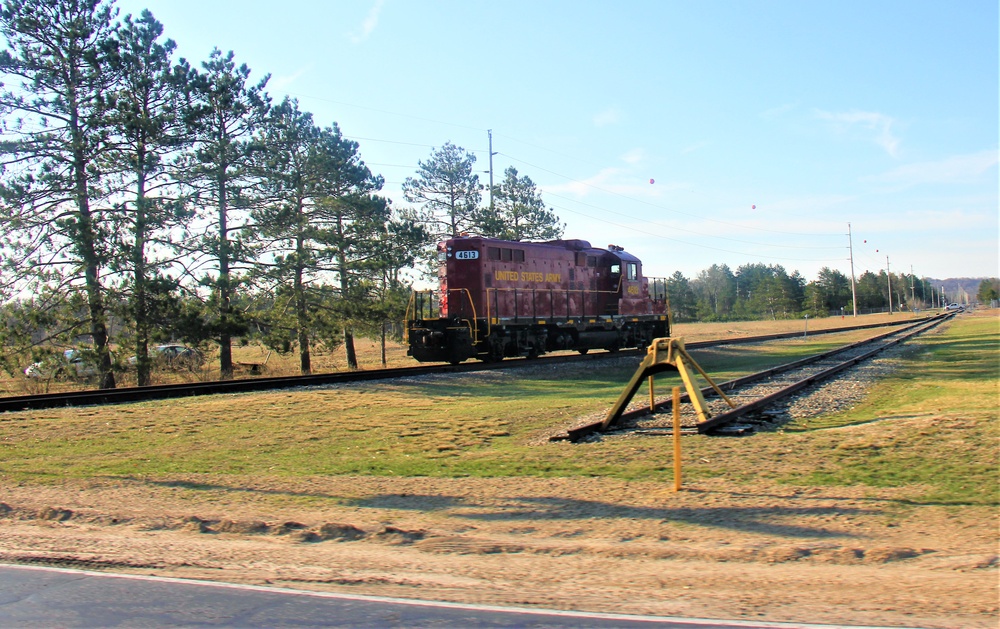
(652, 396)
(677, 438)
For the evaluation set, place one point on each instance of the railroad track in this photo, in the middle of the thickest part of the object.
(758, 392)
(161, 392)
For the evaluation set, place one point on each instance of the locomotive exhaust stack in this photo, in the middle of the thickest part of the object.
(500, 299)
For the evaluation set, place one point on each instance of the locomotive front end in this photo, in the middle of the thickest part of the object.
(441, 324)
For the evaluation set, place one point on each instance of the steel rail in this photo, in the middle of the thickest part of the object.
(716, 421)
(731, 415)
(121, 395)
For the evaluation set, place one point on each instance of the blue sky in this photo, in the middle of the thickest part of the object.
(690, 133)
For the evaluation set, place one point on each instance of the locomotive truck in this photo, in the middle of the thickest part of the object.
(500, 298)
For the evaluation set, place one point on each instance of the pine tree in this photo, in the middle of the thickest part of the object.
(149, 127)
(56, 229)
(447, 190)
(518, 213)
(224, 113)
(310, 179)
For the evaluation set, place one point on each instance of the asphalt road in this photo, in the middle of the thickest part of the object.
(33, 596)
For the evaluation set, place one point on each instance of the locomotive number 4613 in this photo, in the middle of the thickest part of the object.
(466, 255)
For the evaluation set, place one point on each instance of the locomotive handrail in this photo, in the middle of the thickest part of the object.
(411, 308)
(474, 324)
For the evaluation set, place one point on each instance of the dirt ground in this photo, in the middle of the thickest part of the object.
(774, 552)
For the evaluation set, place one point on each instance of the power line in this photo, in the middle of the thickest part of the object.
(660, 207)
(695, 244)
(384, 111)
(607, 211)
(691, 231)
(589, 185)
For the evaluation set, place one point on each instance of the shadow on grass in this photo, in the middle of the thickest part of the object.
(752, 519)
(746, 519)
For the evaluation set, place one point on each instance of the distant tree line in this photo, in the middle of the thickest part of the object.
(759, 291)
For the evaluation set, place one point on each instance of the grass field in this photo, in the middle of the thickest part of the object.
(931, 428)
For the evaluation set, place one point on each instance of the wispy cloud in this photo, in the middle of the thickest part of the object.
(607, 117)
(880, 126)
(780, 110)
(369, 23)
(694, 147)
(954, 169)
(281, 83)
(583, 187)
(618, 181)
(633, 156)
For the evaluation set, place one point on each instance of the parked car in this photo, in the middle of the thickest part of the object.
(72, 364)
(173, 356)
(954, 307)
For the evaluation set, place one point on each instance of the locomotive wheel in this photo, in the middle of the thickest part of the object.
(496, 351)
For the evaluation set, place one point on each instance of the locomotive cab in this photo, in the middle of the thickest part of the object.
(629, 284)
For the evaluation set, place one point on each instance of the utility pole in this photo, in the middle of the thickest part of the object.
(888, 279)
(913, 288)
(490, 133)
(854, 292)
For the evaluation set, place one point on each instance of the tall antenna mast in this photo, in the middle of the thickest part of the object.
(490, 133)
(888, 279)
(854, 292)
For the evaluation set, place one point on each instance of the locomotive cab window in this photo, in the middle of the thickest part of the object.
(616, 269)
(493, 253)
(633, 271)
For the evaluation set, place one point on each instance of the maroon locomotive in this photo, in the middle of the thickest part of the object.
(500, 298)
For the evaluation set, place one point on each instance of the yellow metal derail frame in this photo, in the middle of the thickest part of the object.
(666, 354)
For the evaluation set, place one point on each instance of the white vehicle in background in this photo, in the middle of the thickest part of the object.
(952, 307)
(71, 364)
(173, 356)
